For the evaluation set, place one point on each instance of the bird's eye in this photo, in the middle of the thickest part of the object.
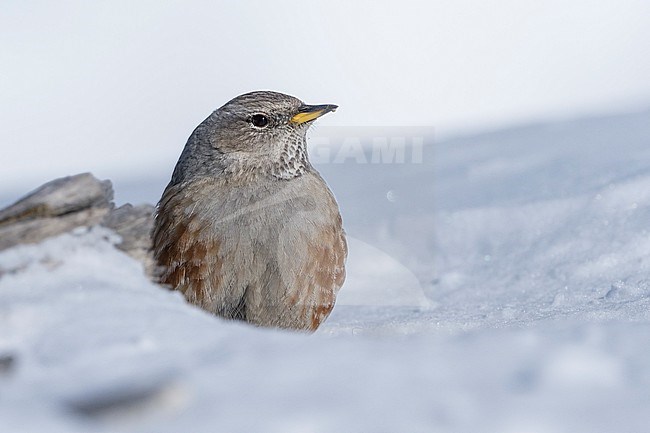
(259, 120)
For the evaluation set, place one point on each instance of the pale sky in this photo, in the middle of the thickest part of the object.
(116, 87)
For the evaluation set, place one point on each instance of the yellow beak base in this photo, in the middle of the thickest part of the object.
(307, 113)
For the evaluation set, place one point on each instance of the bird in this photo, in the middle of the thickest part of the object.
(247, 229)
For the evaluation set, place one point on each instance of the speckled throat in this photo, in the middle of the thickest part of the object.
(293, 160)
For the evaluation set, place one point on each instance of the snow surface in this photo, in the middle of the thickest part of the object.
(503, 285)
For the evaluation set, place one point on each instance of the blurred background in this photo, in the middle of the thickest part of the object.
(116, 87)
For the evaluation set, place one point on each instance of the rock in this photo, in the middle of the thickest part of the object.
(134, 225)
(54, 208)
(63, 204)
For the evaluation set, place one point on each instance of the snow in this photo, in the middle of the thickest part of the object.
(502, 286)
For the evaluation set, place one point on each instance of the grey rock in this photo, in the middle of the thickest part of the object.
(63, 204)
(60, 197)
(134, 225)
(32, 231)
(54, 208)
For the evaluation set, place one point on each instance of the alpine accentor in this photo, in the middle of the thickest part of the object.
(247, 229)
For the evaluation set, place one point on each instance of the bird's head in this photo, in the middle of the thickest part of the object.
(262, 131)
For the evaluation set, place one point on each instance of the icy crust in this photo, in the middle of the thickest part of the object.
(96, 347)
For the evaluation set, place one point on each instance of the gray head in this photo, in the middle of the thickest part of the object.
(258, 133)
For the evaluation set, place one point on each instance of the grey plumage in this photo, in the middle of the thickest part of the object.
(247, 228)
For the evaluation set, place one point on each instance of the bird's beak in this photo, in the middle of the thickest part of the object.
(308, 113)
